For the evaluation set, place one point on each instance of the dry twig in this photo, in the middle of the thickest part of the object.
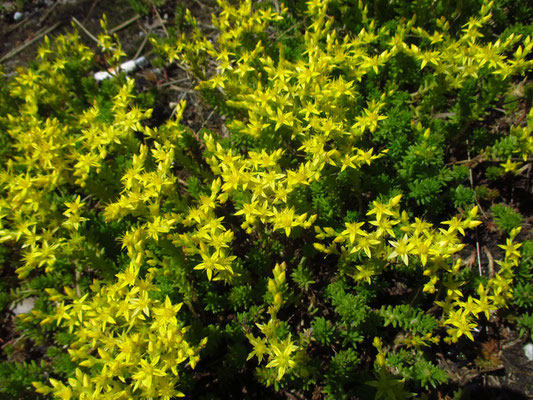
(481, 159)
(181, 89)
(93, 6)
(17, 25)
(471, 178)
(84, 29)
(208, 117)
(48, 12)
(491, 261)
(22, 47)
(169, 83)
(125, 24)
(162, 22)
(141, 47)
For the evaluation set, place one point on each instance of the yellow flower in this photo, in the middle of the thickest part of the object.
(402, 249)
(380, 210)
(259, 347)
(286, 219)
(462, 323)
(353, 231)
(146, 372)
(281, 357)
(511, 249)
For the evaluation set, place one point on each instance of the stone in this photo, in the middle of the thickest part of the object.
(528, 351)
(23, 307)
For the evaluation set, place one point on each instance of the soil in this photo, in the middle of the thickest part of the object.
(39, 16)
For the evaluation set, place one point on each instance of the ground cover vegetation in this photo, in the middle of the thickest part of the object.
(355, 226)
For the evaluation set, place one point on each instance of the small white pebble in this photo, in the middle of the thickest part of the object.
(24, 307)
(18, 16)
(141, 62)
(101, 75)
(128, 66)
(528, 351)
(131, 65)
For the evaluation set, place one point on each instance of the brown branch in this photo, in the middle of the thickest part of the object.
(93, 6)
(19, 49)
(474, 374)
(471, 178)
(145, 40)
(84, 29)
(77, 279)
(161, 21)
(170, 83)
(491, 261)
(48, 12)
(182, 89)
(125, 24)
(446, 366)
(200, 4)
(141, 47)
(208, 117)
(17, 25)
(481, 159)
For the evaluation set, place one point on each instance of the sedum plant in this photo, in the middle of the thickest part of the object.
(316, 103)
(72, 140)
(130, 344)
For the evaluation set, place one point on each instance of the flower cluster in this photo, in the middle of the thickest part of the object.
(282, 354)
(126, 345)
